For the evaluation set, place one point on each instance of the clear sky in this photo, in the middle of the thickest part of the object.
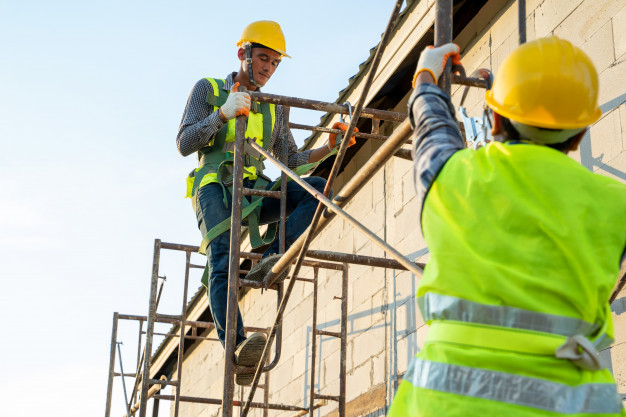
(91, 96)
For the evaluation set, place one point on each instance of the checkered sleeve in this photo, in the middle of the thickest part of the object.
(436, 135)
(199, 123)
(294, 158)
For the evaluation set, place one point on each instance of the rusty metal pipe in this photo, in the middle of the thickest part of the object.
(344, 341)
(358, 259)
(469, 81)
(443, 35)
(261, 193)
(181, 342)
(521, 20)
(324, 106)
(233, 268)
(337, 131)
(152, 314)
(337, 210)
(367, 171)
(313, 342)
(107, 409)
(213, 401)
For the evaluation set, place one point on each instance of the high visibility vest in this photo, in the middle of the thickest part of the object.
(215, 160)
(525, 248)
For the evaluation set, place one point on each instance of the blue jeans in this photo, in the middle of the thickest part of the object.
(210, 210)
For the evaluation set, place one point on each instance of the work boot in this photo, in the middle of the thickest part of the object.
(249, 353)
(263, 267)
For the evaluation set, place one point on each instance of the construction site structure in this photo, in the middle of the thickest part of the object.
(355, 324)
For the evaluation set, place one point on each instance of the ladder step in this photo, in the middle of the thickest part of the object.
(327, 333)
(163, 382)
(326, 397)
(262, 193)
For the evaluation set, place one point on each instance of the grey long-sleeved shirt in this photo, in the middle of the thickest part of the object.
(200, 123)
(436, 135)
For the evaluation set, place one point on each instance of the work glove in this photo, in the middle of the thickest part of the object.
(236, 104)
(332, 138)
(433, 60)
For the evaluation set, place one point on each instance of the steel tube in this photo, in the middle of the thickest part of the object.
(358, 259)
(233, 269)
(328, 333)
(181, 342)
(367, 171)
(337, 131)
(324, 106)
(107, 409)
(404, 154)
(313, 343)
(261, 193)
(344, 341)
(150, 329)
(347, 217)
(443, 35)
(214, 401)
(119, 352)
(472, 82)
(328, 397)
(521, 20)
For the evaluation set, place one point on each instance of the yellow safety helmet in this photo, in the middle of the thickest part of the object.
(267, 33)
(548, 83)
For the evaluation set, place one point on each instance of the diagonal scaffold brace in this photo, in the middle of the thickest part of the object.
(311, 232)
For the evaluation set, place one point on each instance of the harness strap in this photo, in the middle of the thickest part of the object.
(225, 224)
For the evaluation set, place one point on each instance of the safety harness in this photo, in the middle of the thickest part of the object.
(216, 162)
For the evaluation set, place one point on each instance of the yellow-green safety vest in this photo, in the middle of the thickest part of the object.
(215, 157)
(525, 248)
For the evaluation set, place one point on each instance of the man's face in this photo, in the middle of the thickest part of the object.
(264, 63)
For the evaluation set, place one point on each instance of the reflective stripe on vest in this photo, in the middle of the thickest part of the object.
(512, 389)
(221, 146)
(446, 307)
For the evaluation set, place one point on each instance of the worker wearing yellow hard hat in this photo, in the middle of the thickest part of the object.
(208, 130)
(525, 246)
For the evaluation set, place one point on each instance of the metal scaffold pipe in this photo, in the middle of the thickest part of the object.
(367, 171)
(406, 263)
(303, 103)
(521, 23)
(443, 35)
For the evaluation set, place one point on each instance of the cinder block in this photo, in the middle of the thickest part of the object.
(504, 25)
(606, 137)
(367, 344)
(359, 379)
(360, 319)
(550, 14)
(619, 32)
(587, 19)
(618, 359)
(600, 47)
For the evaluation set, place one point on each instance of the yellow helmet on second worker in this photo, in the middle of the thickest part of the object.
(267, 33)
(548, 83)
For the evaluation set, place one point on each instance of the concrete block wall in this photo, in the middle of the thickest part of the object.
(385, 328)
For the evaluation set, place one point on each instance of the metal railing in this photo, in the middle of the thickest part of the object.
(326, 211)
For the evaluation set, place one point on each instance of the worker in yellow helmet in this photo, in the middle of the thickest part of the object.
(208, 129)
(525, 246)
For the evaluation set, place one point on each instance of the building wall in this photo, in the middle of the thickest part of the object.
(385, 328)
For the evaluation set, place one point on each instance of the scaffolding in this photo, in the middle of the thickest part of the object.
(298, 254)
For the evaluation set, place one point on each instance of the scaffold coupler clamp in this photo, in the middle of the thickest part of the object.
(342, 120)
(477, 129)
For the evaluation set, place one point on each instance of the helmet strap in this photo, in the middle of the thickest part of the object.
(248, 48)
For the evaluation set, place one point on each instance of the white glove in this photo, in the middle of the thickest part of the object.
(433, 60)
(236, 104)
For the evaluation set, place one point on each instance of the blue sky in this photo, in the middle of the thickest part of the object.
(91, 96)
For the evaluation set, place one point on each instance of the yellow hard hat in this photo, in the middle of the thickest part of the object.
(267, 33)
(548, 83)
